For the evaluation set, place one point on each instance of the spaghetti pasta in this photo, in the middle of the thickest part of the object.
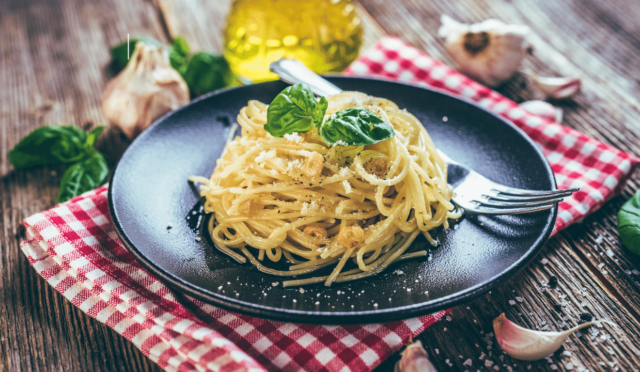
(318, 205)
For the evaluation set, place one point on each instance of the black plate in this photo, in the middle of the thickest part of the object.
(149, 191)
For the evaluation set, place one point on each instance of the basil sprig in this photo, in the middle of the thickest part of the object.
(295, 110)
(629, 223)
(355, 127)
(64, 145)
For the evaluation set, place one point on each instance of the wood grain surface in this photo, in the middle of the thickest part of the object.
(55, 63)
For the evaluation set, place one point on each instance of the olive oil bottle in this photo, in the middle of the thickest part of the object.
(325, 35)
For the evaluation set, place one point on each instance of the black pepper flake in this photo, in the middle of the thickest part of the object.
(557, 308)
(553, 282)
(586, 317)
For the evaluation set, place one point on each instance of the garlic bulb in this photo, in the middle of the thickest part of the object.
(414, 359)
(146, 89)
(489, 52)
(526, 344)
(557, 87)
(543, 109)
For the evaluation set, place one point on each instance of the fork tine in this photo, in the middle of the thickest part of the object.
(496, 211)
(519, 205)
(512, 198)
(521, 192)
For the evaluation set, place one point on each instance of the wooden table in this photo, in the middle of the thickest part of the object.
(54, 58)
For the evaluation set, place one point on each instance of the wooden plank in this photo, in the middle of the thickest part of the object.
(66, 339)
(55, 58)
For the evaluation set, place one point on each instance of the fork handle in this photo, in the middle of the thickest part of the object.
(293, 71)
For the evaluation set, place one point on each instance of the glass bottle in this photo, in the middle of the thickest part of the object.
(325, 35)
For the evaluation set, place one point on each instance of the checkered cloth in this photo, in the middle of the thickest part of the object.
(75, 248)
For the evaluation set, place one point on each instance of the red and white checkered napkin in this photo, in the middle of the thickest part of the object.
(75, 248)
(600, 171)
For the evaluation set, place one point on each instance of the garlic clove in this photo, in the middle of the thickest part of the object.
(526, 344)
(543, 109)
(147, 88)
(489, 52)
(558, 87)
(414, 359)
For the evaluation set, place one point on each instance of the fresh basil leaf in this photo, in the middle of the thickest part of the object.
(629, 223)
(49, 145)
(179, 52)
(206, 72)
(355, 127)
(83, 176)
(119, 52)
(177, 61)
(295, 110)
(93, 136)
(180, 46)
(70, 147)
(321, 109)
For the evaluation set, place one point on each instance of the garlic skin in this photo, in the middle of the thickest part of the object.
(414, 359)
(489, 52)
(526, 344)
(557, 87)
(146, 89)
(543, 109)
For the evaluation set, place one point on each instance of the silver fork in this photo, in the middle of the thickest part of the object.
(478, 194)
(473, 192)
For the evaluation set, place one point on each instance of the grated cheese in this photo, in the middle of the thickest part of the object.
(309, 208)
(294, 138)
(293, 164)
(345, 172)
(347, 186)
(265, 155)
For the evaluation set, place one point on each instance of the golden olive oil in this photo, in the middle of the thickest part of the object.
(325, 35)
